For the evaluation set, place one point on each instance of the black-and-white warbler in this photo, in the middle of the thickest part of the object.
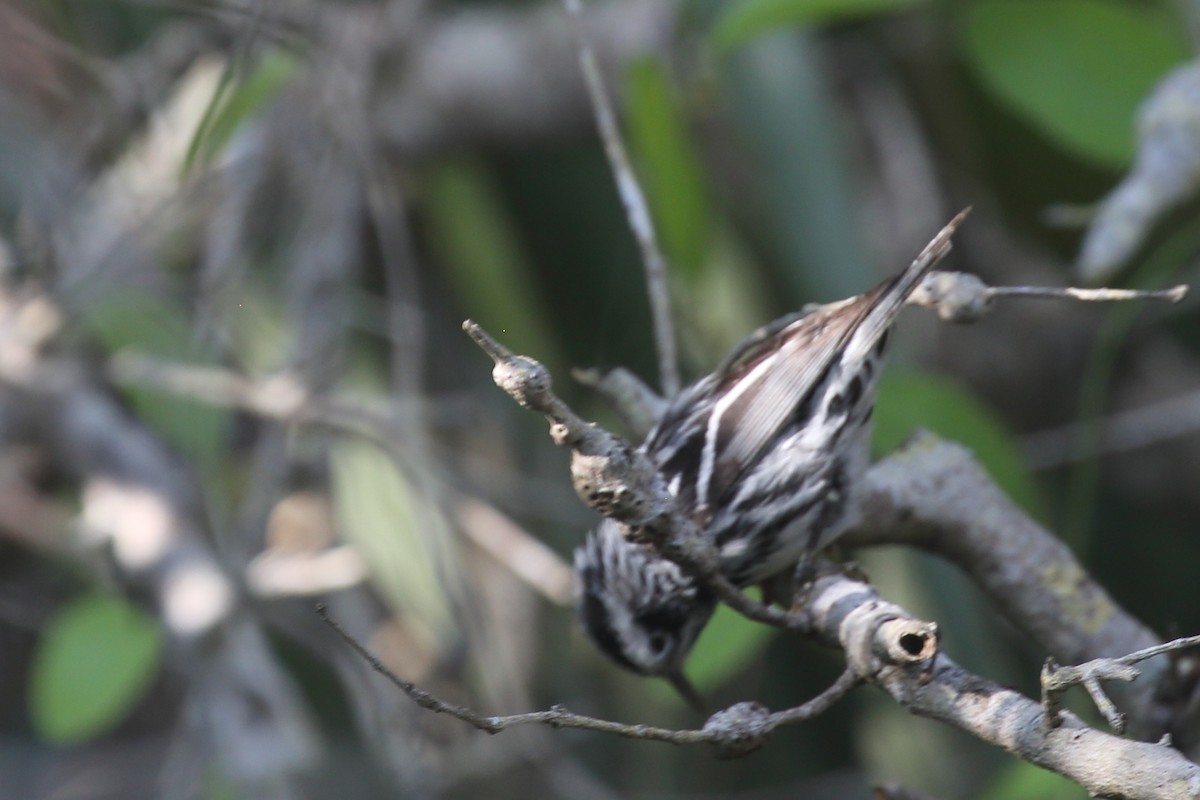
(765, 455)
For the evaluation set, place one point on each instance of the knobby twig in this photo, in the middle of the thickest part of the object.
(634, 200)
(1057, 679)
(962, 297)
(735, 731)
(617, 480)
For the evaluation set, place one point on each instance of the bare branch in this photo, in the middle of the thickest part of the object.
(851, 615)
(962, 297)
(1121, 432)
(934, 495)
(735, 731)
(1057, 679)
(840, 612)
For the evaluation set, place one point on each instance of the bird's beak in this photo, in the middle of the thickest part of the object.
(686, 690)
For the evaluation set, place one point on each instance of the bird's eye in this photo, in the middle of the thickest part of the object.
(658, 643)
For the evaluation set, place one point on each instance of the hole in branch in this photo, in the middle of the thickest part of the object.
(913, 643)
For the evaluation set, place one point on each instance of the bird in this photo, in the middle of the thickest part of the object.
(764, 455)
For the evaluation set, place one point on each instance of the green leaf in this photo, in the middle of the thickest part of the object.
(743, 21)
(152, 325)
(1076, 69)
(473, 236)
(911, 400)
(236, 100)
(803, 210)
(94, 661)
(386, 519)
(668, 166)
(1023, 781)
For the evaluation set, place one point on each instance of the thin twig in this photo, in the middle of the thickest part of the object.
(1096, 295)
(734, 731)
(1159, 649)
(1057, 679)
(634, 200)
(962, 297)
(845, 682)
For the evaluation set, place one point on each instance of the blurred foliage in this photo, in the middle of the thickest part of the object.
(908, 401)
(754, 144)
(669, 168)
(161, 326)
(740, 22)
(393, 527)
(482, 253)
(95, 661)
(236, 99)
(1075, 68)
(1021, 781)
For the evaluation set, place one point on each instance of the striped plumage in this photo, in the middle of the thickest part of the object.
(764, 454)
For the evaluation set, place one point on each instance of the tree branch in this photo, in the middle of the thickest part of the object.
(1105, 765)
(735, 731)
(932, 494)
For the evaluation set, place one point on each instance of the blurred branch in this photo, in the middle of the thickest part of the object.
(1165, 172)
(523, 554)
(1123, 431)
(505, 75)
(633, 199)
(272, 574)
(139, 503)
(636, 402)
(282, 399)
